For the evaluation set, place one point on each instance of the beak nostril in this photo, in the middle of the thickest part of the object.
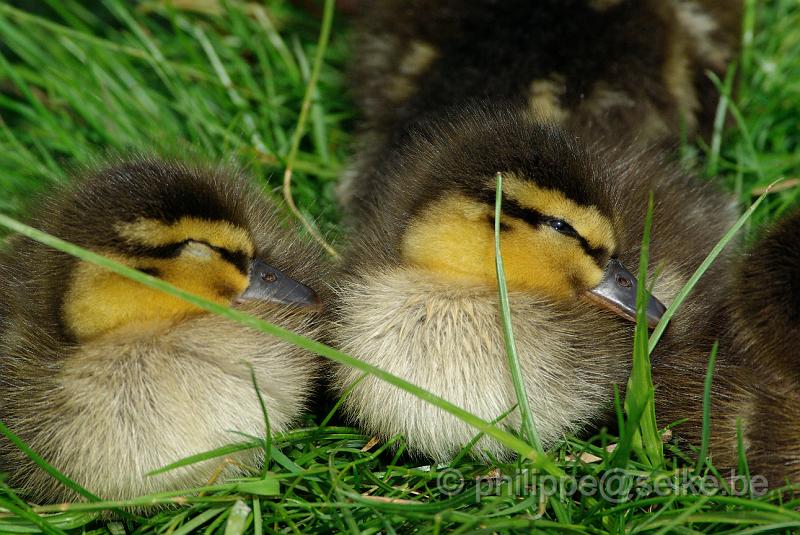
(623, 281)
(269, 277)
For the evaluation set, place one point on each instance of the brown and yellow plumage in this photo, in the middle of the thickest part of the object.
(562, 98)
(109, 380)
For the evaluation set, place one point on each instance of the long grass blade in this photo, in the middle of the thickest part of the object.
(684, 292)
(505, 438)
(702, 457)
(526, 416)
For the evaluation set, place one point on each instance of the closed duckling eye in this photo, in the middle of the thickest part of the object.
(196, 249)
(562, 226)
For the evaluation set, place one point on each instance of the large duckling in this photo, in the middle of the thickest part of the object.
(561, 98)
(608, 68)
(418, 297)
(108, 379)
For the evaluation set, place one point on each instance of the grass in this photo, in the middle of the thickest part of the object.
(77, 82)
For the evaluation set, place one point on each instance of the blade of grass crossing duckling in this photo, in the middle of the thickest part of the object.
(642, 378)
(526, 417)
(681, 296)
(207, 455)
(702, 457)
(507, 439)
(267, 428)
(641, 431)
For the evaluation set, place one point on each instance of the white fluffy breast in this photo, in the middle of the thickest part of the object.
(127, 407)
(448, 340)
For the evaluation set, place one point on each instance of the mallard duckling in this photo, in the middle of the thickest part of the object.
(108, 379)
(607, 68)
(418, 297)
(757, 384)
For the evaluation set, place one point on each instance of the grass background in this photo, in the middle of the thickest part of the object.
(226, 80)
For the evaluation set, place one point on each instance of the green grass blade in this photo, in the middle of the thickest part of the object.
(641, 431)
(684, 292)
(237, 519)
(702, 457)
(526, 416)
(21, 509)
(505, 438)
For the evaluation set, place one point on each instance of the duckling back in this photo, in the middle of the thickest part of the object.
(108, 380)
(605, 68)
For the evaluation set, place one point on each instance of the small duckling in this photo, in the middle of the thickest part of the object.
(766, 307)
(763, 335)
(108, 379)
(418, 294)
(603, 68)
(757, 380)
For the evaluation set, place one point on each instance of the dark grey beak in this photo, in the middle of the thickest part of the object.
(272, 285)
(617, 292)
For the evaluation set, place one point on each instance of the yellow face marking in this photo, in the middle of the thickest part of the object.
(154, 233)
(99, 301)
(587, 220)
(454, 239)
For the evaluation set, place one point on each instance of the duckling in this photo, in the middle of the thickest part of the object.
(757, 385)
(109, 380)
(605, 68)
(418, 294)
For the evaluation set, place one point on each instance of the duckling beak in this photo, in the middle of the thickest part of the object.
(272, 285)
(617, 292)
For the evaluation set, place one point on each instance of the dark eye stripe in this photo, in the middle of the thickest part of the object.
(239, 260)
(536, 219)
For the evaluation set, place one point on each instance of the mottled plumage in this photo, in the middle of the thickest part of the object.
(608, 68)
(445, 334)
(107, 403)
(564, 99)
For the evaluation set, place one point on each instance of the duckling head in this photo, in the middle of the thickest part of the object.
(559, 234)
(193, 228)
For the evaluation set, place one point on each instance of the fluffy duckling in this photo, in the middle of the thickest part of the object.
(608, 68)
(108, 379)
(418, 296)
(757, 383)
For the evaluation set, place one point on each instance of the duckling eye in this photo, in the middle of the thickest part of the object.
(562, 226)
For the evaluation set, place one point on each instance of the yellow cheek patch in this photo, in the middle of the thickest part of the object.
(155, 233)
(454, 239)
(451, 238)
(587, 220)
(99, 301)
